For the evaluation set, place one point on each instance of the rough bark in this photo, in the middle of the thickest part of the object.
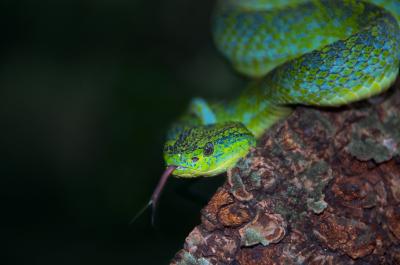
(322, 187)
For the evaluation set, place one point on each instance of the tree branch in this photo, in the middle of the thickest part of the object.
(322, 187)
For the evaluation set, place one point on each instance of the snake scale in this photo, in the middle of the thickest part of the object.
(317, 53)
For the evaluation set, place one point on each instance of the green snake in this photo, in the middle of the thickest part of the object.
(317, 53)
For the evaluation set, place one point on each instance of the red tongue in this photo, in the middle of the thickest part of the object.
(159, 188)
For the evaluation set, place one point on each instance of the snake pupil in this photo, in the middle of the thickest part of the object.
(208, 149)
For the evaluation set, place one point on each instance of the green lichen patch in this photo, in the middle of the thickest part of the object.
(189, 259)
(250, 169)
(374, 139)
(255, 179)
(315, 179)
(265, 229)
(238, 189)
(316, 206)
(368, 149)
(317, 169)
(253, 237)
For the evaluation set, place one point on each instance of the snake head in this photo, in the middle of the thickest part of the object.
(208, 150)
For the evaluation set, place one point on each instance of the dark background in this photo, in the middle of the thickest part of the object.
(88, 89)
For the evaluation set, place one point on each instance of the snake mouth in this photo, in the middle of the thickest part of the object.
(190, 172)
(186, 172)
(176, 168)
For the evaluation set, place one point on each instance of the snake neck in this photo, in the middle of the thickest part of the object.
(253, 108)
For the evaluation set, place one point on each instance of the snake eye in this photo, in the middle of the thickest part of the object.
(195, 159)
(208, 149)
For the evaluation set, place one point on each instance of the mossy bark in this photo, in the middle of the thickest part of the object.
(322, 187)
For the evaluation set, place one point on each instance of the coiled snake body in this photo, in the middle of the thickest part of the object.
(319, 53)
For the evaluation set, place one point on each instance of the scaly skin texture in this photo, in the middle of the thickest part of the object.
(319, 53)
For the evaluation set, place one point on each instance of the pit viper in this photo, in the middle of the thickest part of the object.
(316, 53)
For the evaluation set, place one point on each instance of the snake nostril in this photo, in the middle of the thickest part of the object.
(195, 159)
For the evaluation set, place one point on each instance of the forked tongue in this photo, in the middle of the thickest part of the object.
(159, 188)
(156, 194)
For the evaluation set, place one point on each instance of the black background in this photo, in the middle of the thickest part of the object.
(87, 92)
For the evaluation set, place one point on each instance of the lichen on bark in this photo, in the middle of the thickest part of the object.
(322, 187)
